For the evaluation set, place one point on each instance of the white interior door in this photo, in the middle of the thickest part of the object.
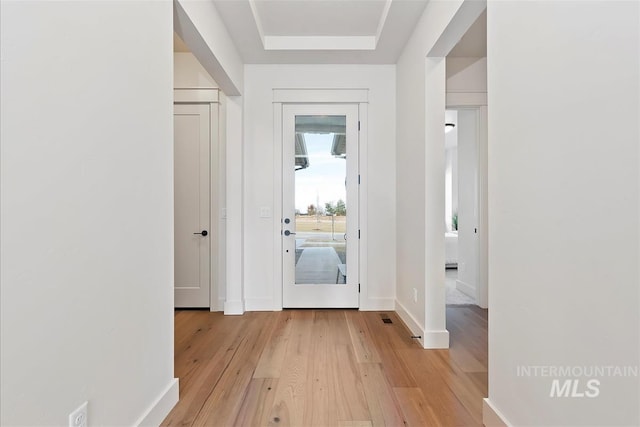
(191, 204)
(320, 236)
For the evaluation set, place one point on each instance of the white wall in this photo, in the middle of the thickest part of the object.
(87, 216)
(234, 214)
(260, 80)
(563, 203)
(411, 181)
(189, 73)
(200, 26)
(466, 75)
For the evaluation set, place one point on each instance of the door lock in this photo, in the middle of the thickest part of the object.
(203, 232)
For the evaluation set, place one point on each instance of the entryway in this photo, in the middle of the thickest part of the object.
(320, 200)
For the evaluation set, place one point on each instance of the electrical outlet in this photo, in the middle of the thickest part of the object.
(415, 295)
(78, 418)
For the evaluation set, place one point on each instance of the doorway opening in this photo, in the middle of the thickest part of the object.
(461, 206)
(320, 206)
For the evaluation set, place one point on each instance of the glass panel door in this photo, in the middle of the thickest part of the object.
(320, 198)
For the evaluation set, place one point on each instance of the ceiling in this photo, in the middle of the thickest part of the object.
(320, 31)
(329, 31)
(474, 42)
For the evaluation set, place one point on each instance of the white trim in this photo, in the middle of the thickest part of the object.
(377, 304)
(383, 19)
(482, 288)
(491, 417)
(436, 339)
(232, 308)
(319, 43)
(428, 339)
(256, 17)
(161, 407)
(410, 322)
(466, 99)
(363, 252)
(466, 288)
(258, 304)
(321, 96)
(221, 267)
(214, 205)
(277, 206)
(196, 95)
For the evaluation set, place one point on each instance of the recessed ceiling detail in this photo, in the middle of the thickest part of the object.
(319, 43)
(319, 25)
(320, 31)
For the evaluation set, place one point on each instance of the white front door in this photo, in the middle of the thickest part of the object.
(320, 237)
(191, 205)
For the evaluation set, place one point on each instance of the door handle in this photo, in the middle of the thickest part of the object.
(288, 233)
(203, 233)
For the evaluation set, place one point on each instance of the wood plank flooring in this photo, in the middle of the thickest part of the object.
(341, 368)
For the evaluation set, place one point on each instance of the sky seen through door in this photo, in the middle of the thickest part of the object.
(324, 179)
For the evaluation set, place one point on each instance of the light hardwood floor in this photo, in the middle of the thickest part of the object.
(326, 368)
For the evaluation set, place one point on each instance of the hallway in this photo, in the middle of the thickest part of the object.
(326, 368)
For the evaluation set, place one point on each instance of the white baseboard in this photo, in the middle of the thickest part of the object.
(259, 304)
(466, 289)
(410, 322)
(491, 417)
(378, 304)
(428, 339)
(370, 304)
(217, 306)
(436, 339)
(234, 307)
(159, 410)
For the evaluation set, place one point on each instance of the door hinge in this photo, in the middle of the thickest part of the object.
(358, 179)
(358, 234)
(358, 287)
(358, 124)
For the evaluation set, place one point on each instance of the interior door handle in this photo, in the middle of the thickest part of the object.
(288, 233)
(203, 232)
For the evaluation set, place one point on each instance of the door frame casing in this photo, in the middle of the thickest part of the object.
(211, 97)
(319, 96)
